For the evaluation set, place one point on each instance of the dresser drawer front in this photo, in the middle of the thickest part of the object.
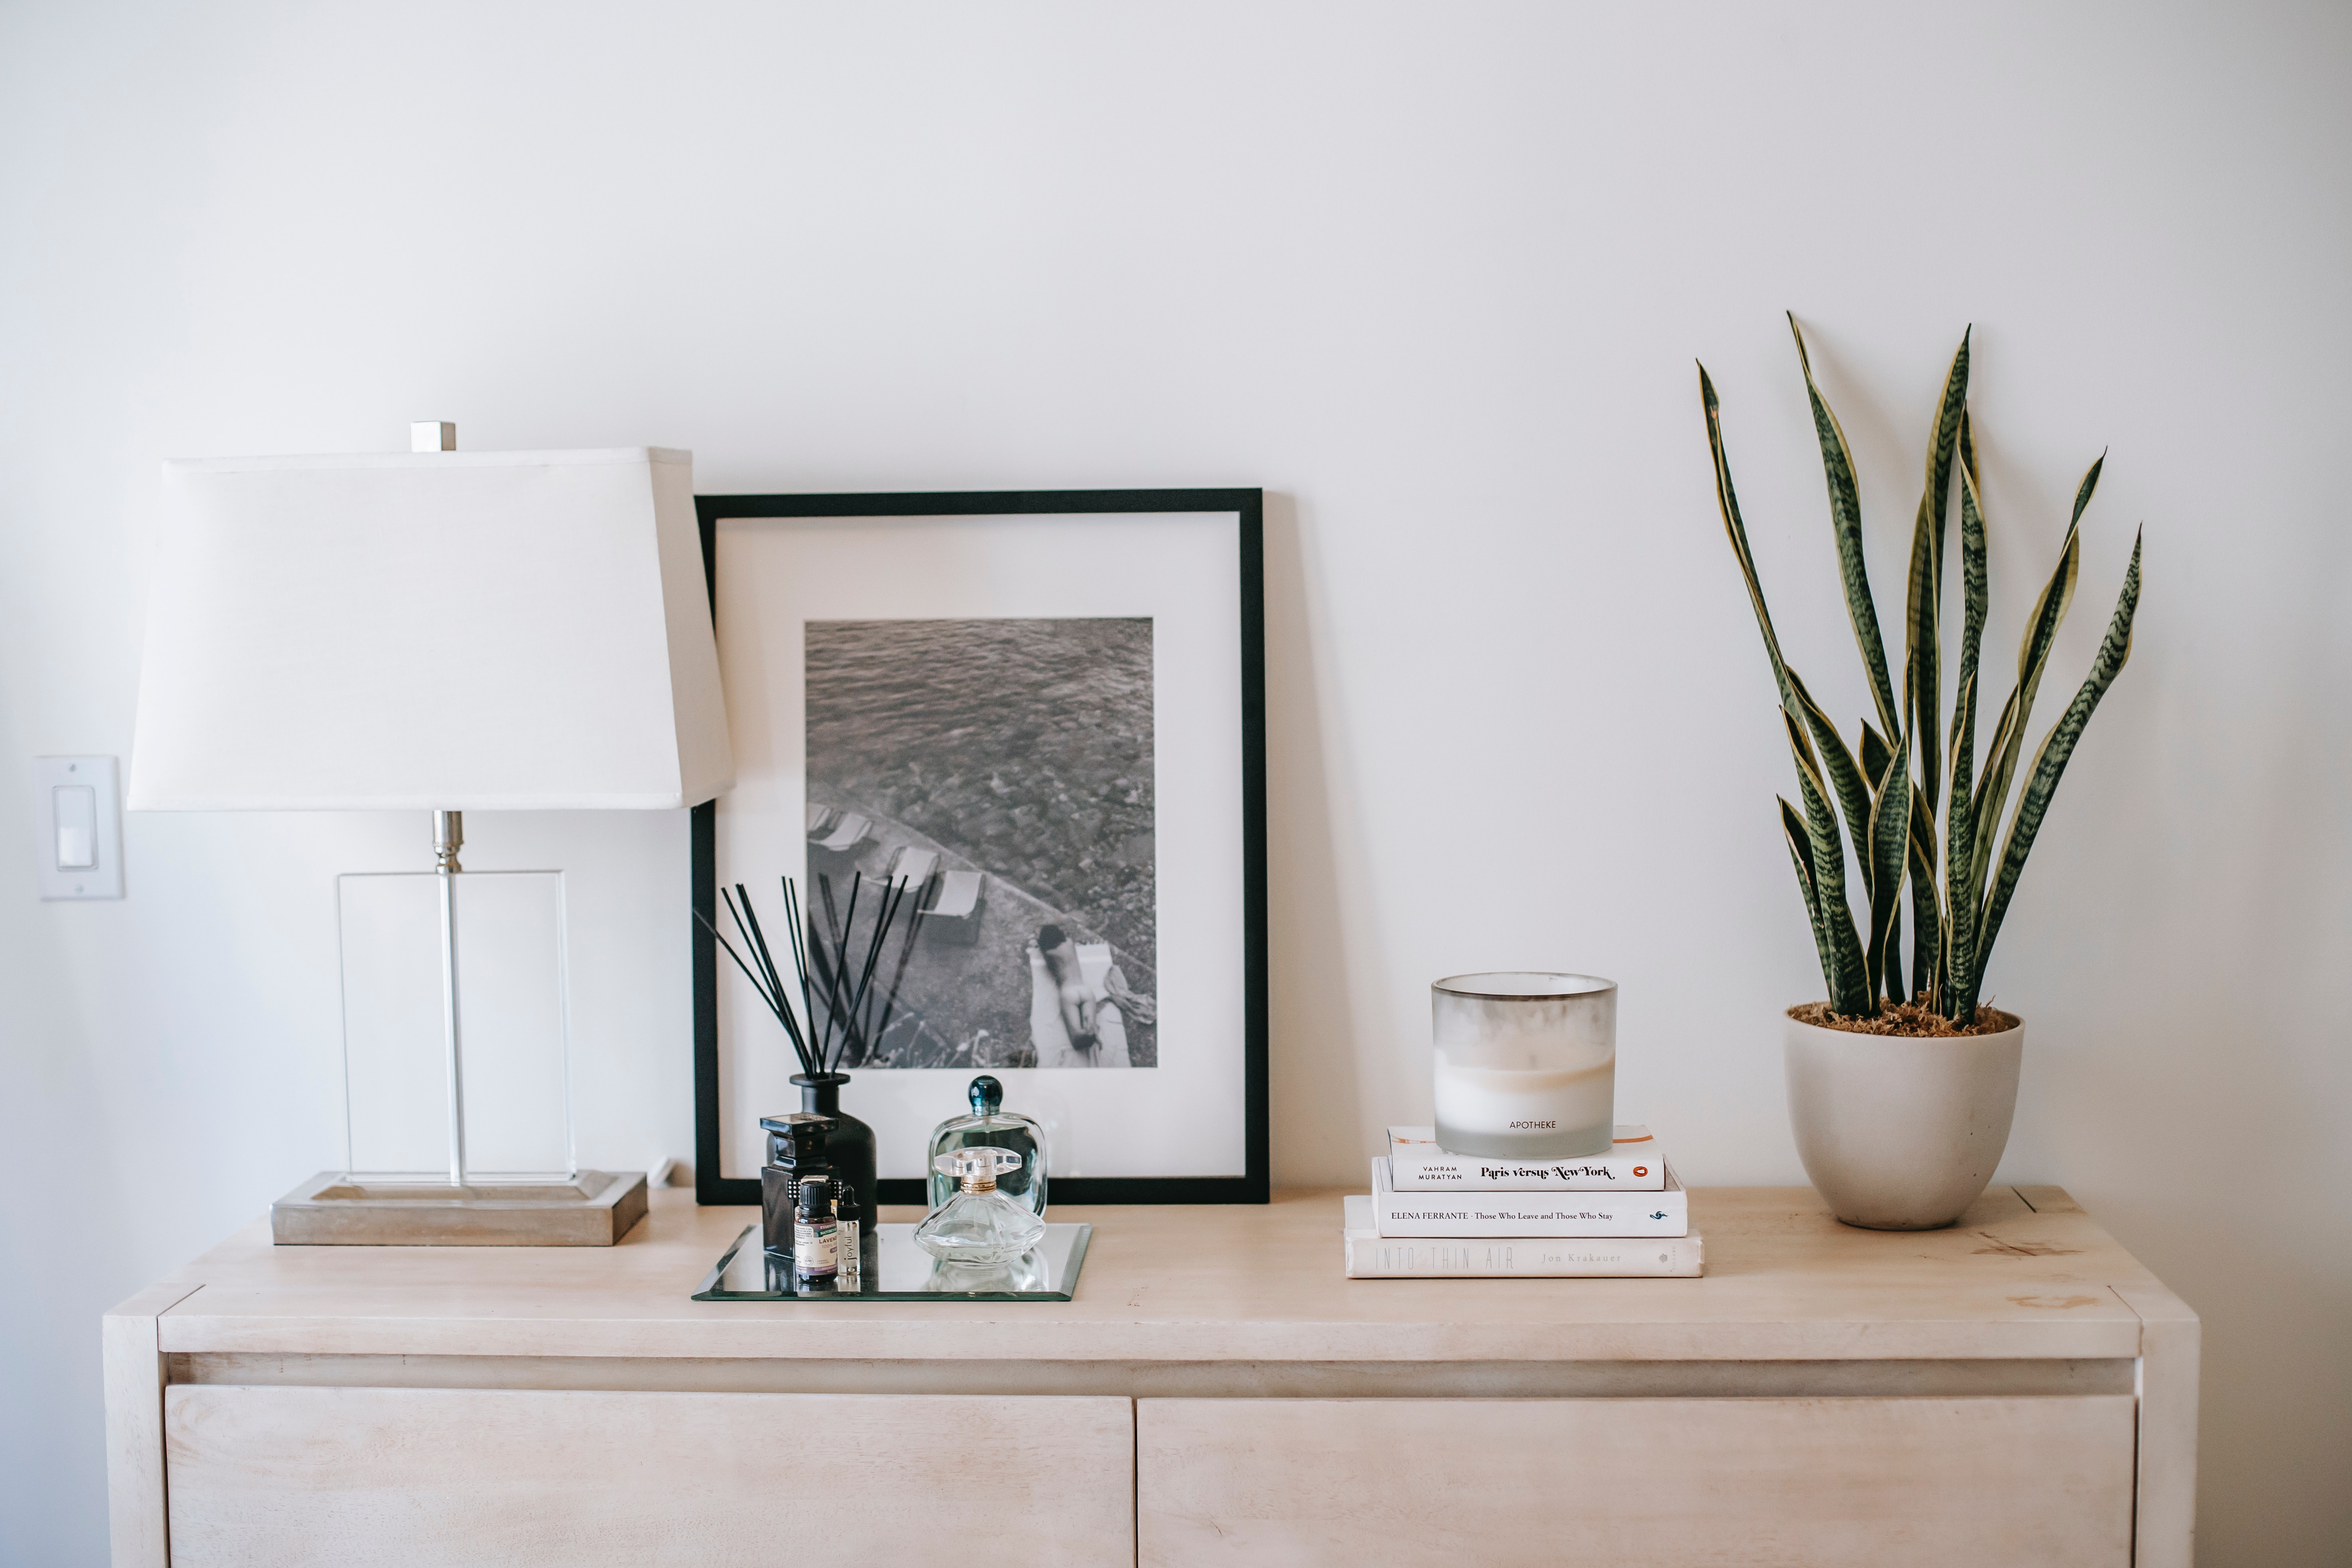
(512, 1478)
(1635, 1482)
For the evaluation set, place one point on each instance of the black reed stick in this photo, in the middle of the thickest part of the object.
(798, 933)
(856, 1016)
(757, 941)
(775, 1001)
(905, 953)
(894, 893)
(747, 922)
(835, 976)
(827, 965)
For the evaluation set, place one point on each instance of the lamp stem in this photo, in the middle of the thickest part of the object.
(448, 836)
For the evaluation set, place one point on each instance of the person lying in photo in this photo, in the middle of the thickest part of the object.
(1079, 999)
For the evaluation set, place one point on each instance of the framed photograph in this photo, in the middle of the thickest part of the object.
(1045, 710)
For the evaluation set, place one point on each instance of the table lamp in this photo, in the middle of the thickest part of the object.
(438, 631)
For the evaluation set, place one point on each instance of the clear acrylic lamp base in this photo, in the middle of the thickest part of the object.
(449, 1146)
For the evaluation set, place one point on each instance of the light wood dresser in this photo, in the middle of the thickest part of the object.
(2013, 1390)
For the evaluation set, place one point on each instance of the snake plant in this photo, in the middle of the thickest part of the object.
(1886, 790)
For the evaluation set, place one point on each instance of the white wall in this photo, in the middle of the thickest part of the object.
(1433, 275)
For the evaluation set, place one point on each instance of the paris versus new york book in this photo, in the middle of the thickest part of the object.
(1634, 1164)
(1450, 1214)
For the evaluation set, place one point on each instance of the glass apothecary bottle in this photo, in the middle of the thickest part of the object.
(990, 1125)
(979, 1225)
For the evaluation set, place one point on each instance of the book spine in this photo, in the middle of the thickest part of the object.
(1417, 1173)
(1468, 1215)
(1377, 1258)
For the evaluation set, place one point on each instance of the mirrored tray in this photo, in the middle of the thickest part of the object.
(897, 1270)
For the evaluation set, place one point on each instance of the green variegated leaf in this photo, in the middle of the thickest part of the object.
(1951, 412)
(2057, 747)
(2050, 607)
(1964, 867)
(1890, 965)
(1922, 660)
(1975, 596)
(1800, 852)
(1926, 913)
(2032, 657)
(1727, 503)
(1844, 777)
(2083, 491)
(1821, 824)
(1845, 520)
(1986, 811)
(1890, 841)
(1876, 756)
(1923, 676)
(1960, 885)
(1850, 992)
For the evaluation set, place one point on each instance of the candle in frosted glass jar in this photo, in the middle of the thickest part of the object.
(1526, 1064)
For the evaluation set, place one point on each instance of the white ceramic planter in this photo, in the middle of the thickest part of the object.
(1900, 1133)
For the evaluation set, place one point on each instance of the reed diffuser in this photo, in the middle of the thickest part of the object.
(843, 1014)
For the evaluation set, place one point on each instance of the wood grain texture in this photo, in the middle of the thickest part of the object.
(351, 1477)
(1824, 1483)
(2048, 1200)
(2170, 1339)
(134, 1376)
(1785, 1282)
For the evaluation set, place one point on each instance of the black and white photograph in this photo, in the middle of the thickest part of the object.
(1001, 769)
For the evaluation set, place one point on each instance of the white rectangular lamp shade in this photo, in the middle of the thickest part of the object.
(441, 631)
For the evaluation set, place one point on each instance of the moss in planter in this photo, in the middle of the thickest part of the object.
(1911, 1018)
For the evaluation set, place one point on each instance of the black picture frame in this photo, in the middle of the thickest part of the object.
(1253, 1186)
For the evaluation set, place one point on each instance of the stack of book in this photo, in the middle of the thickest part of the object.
(1434, 1215)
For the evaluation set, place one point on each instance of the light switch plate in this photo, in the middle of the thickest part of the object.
(78, 828)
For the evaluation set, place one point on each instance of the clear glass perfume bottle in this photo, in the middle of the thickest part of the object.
(1026, 1272)
(990, 1125)
(979, 1223)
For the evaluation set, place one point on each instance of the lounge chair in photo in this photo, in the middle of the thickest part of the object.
(845, 835)
(955, 914)
(915, 865)
(821, 818)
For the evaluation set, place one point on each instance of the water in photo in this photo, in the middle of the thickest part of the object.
(1004, 767)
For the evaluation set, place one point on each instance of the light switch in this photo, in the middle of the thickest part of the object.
(80, 827)
(76, 809)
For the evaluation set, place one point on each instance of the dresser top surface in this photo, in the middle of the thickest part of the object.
(2026, 1273)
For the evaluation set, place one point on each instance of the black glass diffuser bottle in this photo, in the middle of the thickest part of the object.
(849, 1147)
(796, 1150)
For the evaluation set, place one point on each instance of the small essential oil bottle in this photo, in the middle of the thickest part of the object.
(850, 1222)
(816, 1234)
